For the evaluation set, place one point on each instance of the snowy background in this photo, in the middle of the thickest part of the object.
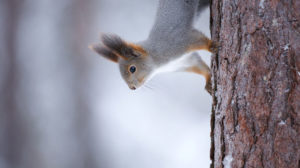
(63, 106)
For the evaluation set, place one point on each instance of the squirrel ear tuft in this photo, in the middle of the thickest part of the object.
(105, 52)
(115, 43)
(121, 48)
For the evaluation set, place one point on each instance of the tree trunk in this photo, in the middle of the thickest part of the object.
(255, 77)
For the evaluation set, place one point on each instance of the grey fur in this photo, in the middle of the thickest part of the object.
(173, 32)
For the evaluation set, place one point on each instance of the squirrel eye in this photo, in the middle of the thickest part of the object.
(132, 69)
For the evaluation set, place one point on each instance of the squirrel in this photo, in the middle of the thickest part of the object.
(171, 38)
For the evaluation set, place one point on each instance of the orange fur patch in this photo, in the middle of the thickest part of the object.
(206, 46)
(138, 48)
(199, 71)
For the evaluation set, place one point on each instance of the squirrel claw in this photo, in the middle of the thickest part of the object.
(208, 87)
(214, 47)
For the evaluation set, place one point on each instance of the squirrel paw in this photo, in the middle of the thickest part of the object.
(208, 87)
(214, 47)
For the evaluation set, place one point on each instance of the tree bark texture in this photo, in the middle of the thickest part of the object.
(255, 77)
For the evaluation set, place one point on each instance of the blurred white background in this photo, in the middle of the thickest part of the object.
(64, 106)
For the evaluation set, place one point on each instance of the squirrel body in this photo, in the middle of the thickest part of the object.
(171, 38)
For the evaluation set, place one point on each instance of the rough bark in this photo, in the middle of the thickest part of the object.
(255, 77)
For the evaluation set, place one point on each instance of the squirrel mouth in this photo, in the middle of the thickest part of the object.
(139, 83)
(132, 87)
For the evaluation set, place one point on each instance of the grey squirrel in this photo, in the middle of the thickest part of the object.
(171, 38)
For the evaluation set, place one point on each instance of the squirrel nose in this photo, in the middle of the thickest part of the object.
(132, 88)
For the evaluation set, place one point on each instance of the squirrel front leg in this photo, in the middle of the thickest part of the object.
(198, 41)
(198, 66)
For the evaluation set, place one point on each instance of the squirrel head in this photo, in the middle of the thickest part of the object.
(134, 62)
